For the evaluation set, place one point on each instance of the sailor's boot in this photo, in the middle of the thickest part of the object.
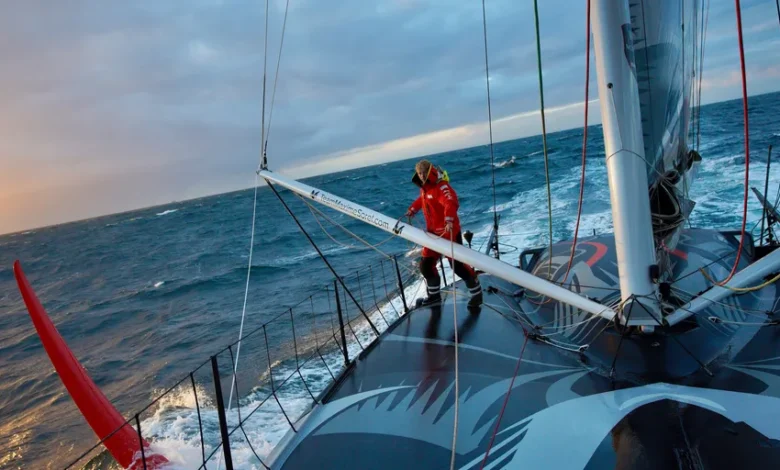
(476, 293)
(434, 296)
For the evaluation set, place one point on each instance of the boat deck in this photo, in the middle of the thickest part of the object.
(395, 407)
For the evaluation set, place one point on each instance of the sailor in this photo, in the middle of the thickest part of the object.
(439, 204)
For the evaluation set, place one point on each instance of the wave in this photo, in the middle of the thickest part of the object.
(174, 427)
(292, 260)
(506, 163)
(234, 277)
(169, 211)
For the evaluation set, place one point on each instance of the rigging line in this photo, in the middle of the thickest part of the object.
(718, 320)
(705, 266)
(263, 157)
(276, 80)
(777, 196)
(522, 316)
(697, 46)
(538, 327)
(747, 144)
(584, 145)
(544, 128)
(623, 335)
(764, 212)
(748, 311)
(457, 378)
(474, 207)
(374, 247)
(314, 211)
(506, 400)
(246, 295)
(682, 53)
(693, 108)
(694, 313)
(354, 235)
(706, 20)
(516, 319)
(562, 328)
(649, 88)
(743, 289)
(777, 3)
(322, 256)
(677, 340)
(490, 125)
(243, 309)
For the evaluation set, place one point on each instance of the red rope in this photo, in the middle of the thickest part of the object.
(584, 143)
(506, 400)
(747, 143)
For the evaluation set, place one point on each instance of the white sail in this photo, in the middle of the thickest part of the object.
(665, 48)
(461, 253)
(664, 33)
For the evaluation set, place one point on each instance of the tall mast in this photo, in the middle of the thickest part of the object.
(626, 168)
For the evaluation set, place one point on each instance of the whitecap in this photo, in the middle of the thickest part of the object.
(175, 429)
(169, 211)
(158, 284)
(505, 163)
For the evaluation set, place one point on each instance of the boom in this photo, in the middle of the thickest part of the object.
(443, 246)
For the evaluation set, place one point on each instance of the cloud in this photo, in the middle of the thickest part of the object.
(96, 92)
(509, 127)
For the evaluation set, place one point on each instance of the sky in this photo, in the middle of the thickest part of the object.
(107, 106)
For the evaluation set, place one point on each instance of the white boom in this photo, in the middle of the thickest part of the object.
(752, 274)
(443, 246)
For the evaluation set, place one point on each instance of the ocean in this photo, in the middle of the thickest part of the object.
(143, 297)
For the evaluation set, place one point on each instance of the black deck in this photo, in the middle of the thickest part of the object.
(395, 407)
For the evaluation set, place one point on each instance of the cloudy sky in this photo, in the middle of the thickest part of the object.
(113, 105)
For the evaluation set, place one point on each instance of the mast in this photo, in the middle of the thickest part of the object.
(626, 168)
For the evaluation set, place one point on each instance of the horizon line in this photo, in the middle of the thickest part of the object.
(351, 152)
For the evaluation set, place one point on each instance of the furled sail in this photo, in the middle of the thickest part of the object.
(664, 36)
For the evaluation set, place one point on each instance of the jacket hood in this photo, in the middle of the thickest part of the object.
(433, 177)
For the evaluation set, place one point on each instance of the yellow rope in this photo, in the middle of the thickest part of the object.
(741, 289)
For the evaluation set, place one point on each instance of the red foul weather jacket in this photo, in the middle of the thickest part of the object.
(439, 204)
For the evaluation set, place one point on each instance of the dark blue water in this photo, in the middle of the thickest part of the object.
(143, 297)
